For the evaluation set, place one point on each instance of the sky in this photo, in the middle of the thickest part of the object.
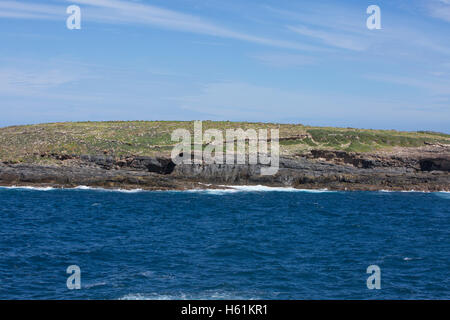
(310, 62)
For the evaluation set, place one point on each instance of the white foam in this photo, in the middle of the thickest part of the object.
(226, 189)
(83, 188)
(257, 188)
(215, 295)
(410, 191)
(93, 285)
(210, 191)
(260, 188)
(138, 296)
(75, 188)
(30, 188)
(104, 189)
(409, 258)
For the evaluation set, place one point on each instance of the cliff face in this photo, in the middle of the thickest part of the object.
(426, 168)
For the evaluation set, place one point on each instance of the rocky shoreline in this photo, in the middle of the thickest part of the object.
(420, 169)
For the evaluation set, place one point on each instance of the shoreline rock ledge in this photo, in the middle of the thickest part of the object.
(422, 169)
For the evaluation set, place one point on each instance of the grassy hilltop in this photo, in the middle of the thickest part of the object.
(146, 138)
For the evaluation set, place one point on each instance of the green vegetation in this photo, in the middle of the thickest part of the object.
(146, 138)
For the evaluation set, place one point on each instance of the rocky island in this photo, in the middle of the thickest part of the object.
(137, 154)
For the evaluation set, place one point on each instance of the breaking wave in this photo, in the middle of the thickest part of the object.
(109, 190)
(75, 188)
(258, 188)
(413, 191)
(224, 189)
(30, 188)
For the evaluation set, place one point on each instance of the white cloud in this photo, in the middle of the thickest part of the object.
(116, 12)
(344, 27)
(132, 12)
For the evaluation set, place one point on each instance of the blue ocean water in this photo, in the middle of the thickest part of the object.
(251, 243)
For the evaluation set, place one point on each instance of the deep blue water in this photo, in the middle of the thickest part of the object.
(231, 245)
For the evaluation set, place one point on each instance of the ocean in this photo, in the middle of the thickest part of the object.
(245, 243)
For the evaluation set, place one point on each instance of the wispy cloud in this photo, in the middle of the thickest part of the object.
(330, 42)
(284, 59)
(439, 9)
(16, 81)
(344, 27)
(332, 38)
(24, 15)
(132, 12)
(29, 80)
(437, 87)
(119, 12)
(334, 26)
(19, 10)
(241, 101)
(325, 15)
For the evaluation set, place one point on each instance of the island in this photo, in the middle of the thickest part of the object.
(137, 155)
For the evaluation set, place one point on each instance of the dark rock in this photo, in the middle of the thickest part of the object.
(322, 169)
(440, 164)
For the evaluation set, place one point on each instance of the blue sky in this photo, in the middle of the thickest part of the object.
(309, 62)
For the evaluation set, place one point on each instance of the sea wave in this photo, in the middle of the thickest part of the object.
(215, 295)
(391, 191)
(30, 188)
(412, 191)
(74, 188)
(258, 188)
(109, 190)
(223, 189)
(443, 194)
(93, 285)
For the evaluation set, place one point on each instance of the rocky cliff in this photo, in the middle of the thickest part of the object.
(425, 168)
